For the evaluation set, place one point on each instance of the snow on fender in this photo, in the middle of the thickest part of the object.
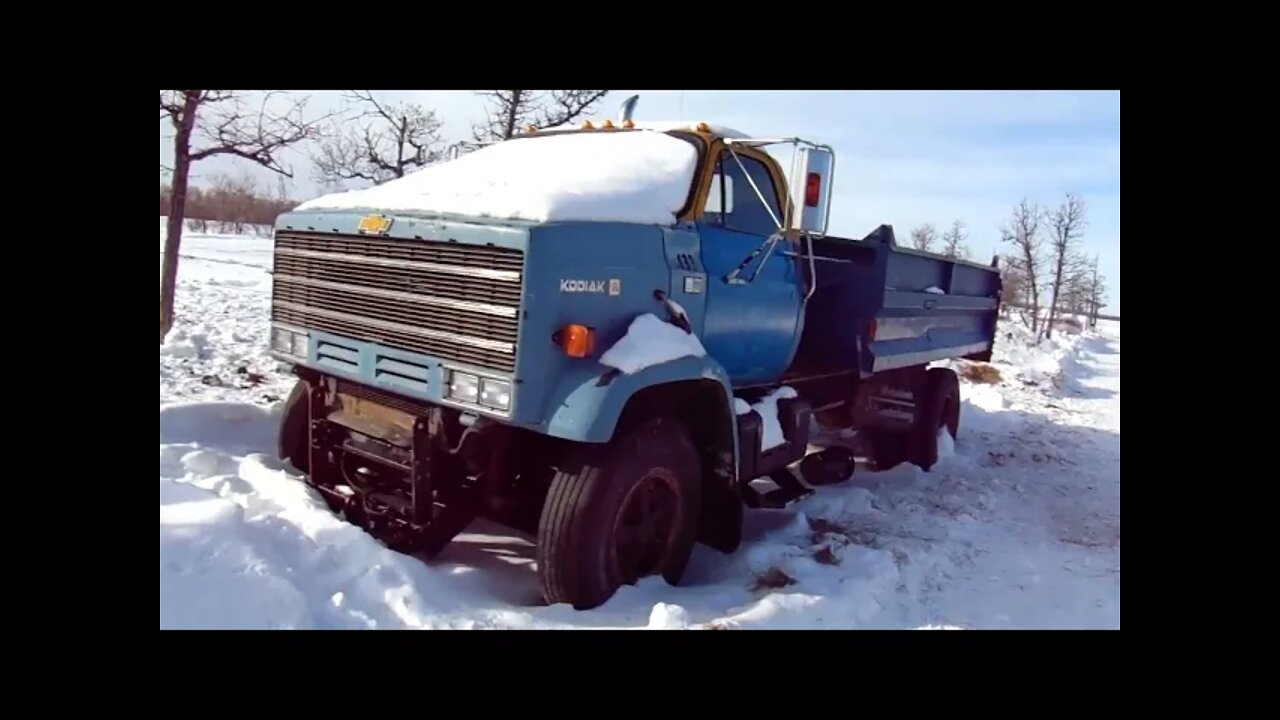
(650, 341)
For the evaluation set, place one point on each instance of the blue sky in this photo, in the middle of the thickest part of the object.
(903, 157)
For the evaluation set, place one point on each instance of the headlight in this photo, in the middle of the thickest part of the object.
(495, 394)
(289, 342)
(281, 340)
(463, 386)
(477, 390)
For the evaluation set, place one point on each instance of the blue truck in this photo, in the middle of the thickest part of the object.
(450, 363)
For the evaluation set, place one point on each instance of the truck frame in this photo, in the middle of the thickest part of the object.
(449, 367)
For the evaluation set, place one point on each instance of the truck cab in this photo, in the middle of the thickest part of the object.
(601, 337)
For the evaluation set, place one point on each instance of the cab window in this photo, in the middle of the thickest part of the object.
(733, 204)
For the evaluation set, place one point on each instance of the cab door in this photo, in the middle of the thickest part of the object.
(752, 326)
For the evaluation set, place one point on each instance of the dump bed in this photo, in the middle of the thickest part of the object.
(878, 306)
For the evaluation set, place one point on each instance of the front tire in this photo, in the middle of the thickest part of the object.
(294, 439)
(620, 512)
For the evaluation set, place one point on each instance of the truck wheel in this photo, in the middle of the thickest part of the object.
(620, 512)
(293, 439)
(941, 409)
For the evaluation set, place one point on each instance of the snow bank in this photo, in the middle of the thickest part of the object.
(222, 308)
(946, 444)
(648, 342)
(1038, 363)
(633, 177)
(244, 544)
(985, 397)
(668, 617)
(183, 344)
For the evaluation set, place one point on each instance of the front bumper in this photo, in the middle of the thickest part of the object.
(412, 375)
(399, 470)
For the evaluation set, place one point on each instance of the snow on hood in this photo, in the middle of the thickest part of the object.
(630, 177)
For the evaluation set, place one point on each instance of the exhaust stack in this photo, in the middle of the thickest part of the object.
(628, 107)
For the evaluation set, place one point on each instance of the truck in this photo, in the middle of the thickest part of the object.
(613, 338)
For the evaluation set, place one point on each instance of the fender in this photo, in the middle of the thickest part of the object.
(589, 400)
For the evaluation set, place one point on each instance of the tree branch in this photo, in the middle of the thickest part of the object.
(922, 237)
(568, 105)
(257, 136)
(508, 111)
(381, 142)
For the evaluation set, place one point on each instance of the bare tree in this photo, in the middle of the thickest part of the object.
(232, 203)
(219, 122)
(1074, 298)
(382, 142)
(1021, 232)
(1013, 282)
(953, 241)
(1076, 291)
(282, 190)
(233, 200)
(511, 111)
(1066, 224)
(1097, 293)
(923, 237)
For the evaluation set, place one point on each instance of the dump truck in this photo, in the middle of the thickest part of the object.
(614, 338)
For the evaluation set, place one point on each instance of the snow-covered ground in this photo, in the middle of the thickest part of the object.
(1019, 528)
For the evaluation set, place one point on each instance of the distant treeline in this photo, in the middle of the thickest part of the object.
(230, 205)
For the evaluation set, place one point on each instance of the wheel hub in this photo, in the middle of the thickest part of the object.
(645, 528)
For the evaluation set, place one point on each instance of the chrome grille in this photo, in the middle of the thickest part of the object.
(454, 301)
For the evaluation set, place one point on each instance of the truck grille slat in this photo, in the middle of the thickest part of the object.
(454, 301)
(420, 250)
(460, 288)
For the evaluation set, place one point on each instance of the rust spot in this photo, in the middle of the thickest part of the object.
(981, 373)
(826, 556)
(773, 578)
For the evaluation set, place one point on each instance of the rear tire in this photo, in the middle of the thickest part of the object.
(620, 512)
(940, 410)
(294, 439)
(888, 448)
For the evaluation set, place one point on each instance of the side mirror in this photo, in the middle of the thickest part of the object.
(810, 183)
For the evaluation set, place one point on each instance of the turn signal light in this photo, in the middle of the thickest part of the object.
(811, 187)
(578, 341)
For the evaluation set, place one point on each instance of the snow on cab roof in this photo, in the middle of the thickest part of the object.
(629, 177)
